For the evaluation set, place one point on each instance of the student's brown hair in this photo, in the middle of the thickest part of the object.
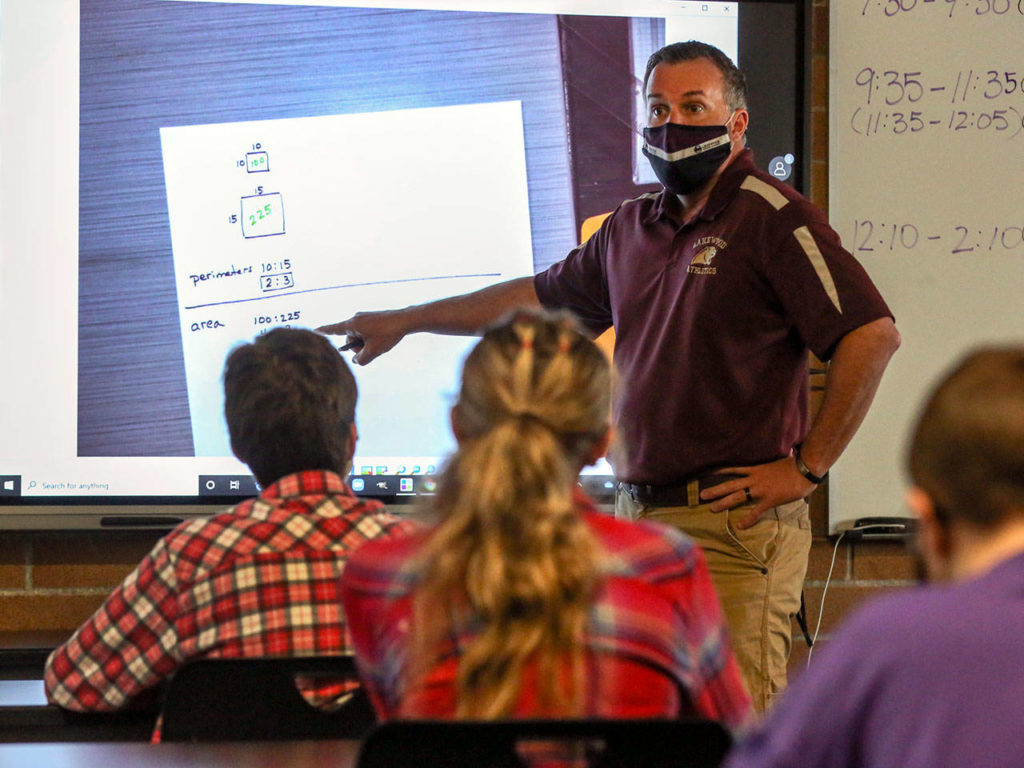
(289, 399)
(967, 449)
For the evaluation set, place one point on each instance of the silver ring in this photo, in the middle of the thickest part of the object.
(750, 499)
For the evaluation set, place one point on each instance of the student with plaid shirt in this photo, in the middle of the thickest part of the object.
(523, 600)
(260, 579)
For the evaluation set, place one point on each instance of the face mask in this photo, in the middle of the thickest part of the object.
(685, 156)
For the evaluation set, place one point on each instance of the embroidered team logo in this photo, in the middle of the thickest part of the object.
(704, 258)
(707, 249)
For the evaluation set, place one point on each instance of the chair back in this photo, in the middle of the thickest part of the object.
(596, 743)
(259, 699)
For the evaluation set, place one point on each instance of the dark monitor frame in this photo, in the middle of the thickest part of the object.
(601, 177)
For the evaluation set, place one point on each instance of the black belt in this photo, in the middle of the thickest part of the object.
(672, 495)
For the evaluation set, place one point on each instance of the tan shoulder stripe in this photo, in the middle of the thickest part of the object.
(806, 239)
(776, 199)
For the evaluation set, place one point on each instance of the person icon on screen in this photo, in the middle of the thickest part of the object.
(781, 166)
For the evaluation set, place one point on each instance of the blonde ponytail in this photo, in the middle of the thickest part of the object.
(510, 563)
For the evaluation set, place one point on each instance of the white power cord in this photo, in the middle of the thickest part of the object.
(828, 580)
(821, 608)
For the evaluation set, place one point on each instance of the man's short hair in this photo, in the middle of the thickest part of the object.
(967, 450)
(733, 80)
(289, 398)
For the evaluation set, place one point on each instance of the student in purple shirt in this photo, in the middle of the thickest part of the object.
(932, 677)
(717, 287)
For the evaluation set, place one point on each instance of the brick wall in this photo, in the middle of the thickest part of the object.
(54, 581)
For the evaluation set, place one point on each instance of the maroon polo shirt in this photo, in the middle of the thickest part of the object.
(713, 320)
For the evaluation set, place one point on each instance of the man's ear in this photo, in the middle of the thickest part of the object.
(739, 125)
(933, 535)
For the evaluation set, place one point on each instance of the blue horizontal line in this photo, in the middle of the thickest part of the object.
(349, 285)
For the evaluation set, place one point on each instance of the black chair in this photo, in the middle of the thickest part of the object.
(510, 743)
(258, 699)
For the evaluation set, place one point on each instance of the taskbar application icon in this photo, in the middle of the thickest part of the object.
(392, 485)
(228, 485)
(10, 485)
(600, 488)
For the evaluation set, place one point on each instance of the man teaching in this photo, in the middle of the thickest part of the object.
(717, 287)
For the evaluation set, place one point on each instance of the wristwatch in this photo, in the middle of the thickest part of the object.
(804, 470)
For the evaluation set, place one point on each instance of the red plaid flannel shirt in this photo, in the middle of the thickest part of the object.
(656, 630)
(260, 579)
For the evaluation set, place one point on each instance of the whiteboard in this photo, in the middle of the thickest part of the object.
(926, 188)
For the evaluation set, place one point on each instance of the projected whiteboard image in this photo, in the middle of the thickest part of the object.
(302, 221)
(142, 76)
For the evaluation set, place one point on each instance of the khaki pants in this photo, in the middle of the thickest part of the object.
(758, 574)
